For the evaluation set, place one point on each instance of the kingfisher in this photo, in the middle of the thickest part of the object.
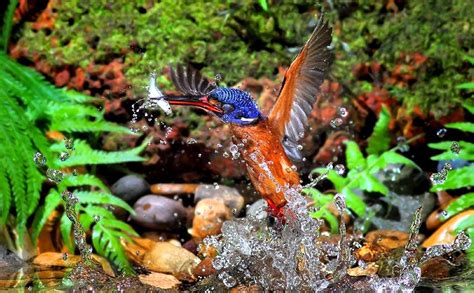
(268, 144)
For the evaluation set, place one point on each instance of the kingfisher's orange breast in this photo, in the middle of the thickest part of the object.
(268, 167)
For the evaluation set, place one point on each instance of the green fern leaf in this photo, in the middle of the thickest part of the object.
(82, 180)
(379, 141)
(65, 227)
(458, 205)
(457, 178)
(83, 125)
(52, 201)
(463, 126)
(7, 24)
(354, 202)
(5, 201)
(106, 242)
(92, 197)
(85, 155)
(369, 183)
(354, 157)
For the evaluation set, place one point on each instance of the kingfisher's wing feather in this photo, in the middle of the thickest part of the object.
(190, 81)
(289, 116)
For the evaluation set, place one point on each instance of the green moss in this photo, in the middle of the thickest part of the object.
(235, 40)
(239, 38)
(440, 30)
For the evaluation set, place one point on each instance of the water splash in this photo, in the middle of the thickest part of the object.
(296, 257)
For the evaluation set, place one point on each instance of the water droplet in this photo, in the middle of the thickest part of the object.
(69, 144)
(402, 144)
(96, 218)
(64, 156)
(218, 263)
(340, 169)
(175, 214)
(335, 123)
(437, 178)
(218, 77)
(342, 111)
(199, 155)
(65, 256)
(227, 279)
(294, 168)
(55, 176)
(455, 147)
(39, 159)
(299, 147)
(444, 213)
(441, 132)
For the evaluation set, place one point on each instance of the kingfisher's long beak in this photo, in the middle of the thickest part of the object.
(201, 102)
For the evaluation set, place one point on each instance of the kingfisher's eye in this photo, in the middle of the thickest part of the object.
(227, 108)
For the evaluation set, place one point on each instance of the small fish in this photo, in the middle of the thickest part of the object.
(156, 97)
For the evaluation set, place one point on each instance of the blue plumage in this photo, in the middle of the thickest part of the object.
(242, 110)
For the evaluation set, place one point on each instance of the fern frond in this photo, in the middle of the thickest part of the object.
(92, 197)
(52, 201)
(83, 125)
(5, 199)
(82, 180)
(106, 241)
(85, 155)
(379, 140)
(7, 24)
(65, 227)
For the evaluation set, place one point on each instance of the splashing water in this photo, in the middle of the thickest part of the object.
(295, 256)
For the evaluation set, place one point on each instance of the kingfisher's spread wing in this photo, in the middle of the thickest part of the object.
(289, 116)
(190, 81)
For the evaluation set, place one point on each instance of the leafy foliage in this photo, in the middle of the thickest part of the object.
(458, 178)
(29, 107)
(7, 25)
(361, 171)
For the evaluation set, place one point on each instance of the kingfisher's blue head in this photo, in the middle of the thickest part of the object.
(238, 106)
(230, 105)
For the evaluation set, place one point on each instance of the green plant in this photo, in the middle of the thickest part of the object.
(7, 25)
(361, 171)
(460, 177)
(244, 38)
(29, 107)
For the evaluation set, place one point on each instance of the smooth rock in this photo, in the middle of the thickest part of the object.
(209, 215)
(165, 257)
(232, 198)
(57, 259)
(445, 234)
(159, 280)
(159, 212)
(130, 188)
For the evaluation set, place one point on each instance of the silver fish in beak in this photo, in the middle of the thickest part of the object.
(155, 97)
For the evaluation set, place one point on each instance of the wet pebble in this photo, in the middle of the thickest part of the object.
(130, 188)
(209, 215)
(232, 198)
(165, 257)
(445, 234)
(159, 212)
